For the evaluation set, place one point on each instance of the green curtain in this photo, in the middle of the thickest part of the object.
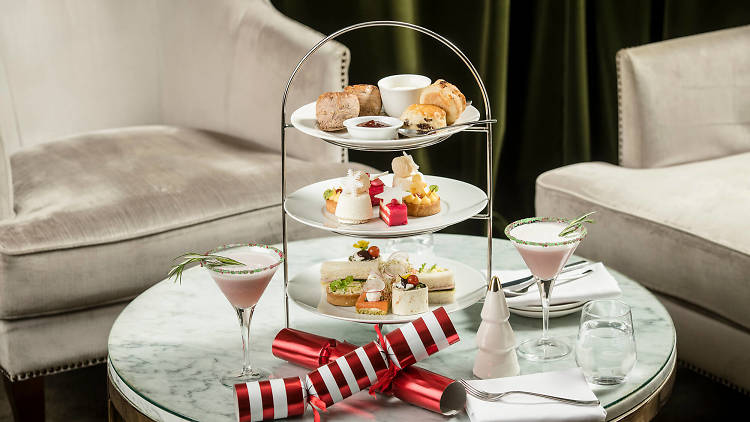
(549, 67)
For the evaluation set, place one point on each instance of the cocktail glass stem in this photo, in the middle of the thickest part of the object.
(245, 316)
(545, 289)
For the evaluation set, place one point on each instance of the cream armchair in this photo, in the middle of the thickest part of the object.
(129, 133)
(675, 215)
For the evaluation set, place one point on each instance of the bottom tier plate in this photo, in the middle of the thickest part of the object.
(305, 291)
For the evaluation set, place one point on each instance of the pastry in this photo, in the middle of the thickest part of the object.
(393, 211)
(440, 283)
(354, 205)
(423, 200)
(344, 292)
(368, 97)
(376, 187)
(409, 296)
(373, 300)
(423, 117)
(446, 96)
(332, 108)
(331, 197)
(404, 168)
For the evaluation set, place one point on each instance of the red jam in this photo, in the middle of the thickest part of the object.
(372, 123)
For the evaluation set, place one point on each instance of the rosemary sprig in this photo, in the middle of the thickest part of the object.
(208, 261)
(576, 224)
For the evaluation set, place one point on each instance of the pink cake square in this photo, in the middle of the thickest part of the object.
(376, 187)
(394, 214)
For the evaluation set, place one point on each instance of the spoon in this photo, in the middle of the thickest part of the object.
(413, 132)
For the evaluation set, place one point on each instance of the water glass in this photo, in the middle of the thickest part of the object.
(605, 348)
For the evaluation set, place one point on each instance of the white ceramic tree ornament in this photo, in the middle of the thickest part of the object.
(495, 339)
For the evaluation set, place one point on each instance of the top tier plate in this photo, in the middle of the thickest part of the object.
(304, 120)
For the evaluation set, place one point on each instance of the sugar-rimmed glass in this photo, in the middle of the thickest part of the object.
(538, 242)
(605, 348)
(243, 286)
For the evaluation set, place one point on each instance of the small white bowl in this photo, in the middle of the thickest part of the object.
(359, 132)
(401, 91)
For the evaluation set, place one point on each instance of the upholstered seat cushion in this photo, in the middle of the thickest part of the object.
(680, 230)
(100, 216)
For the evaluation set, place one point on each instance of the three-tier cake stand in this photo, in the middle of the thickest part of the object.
(483, 128)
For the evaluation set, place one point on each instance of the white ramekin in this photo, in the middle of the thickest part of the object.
(401, 91)
(389, 132)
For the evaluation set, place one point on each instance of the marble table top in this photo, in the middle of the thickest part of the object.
(170, 343)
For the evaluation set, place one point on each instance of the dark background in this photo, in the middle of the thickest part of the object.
(549, 67)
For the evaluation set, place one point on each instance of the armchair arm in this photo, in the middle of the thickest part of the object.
(229, 74)
(686, 99)
(6, 184)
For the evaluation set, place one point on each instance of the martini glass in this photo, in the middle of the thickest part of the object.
(545, 253)
(243, 286)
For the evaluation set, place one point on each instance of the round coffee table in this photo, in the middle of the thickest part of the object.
(169, 344)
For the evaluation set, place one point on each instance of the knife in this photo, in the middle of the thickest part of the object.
(568, 267)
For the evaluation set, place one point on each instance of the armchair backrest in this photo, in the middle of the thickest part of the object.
(221, 65)
(686, 99)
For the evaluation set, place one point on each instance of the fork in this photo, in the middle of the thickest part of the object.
(495, 397)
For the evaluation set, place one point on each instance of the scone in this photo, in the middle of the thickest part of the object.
(332, 108)
(423, 117)
(369, 98)
(446, 96)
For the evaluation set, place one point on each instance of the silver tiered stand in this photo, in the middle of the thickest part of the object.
(486, 129)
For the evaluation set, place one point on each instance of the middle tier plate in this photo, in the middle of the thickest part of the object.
(459, 201)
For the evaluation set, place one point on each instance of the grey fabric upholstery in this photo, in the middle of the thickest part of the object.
(131, 132)
(685, 99)
(218, 65)
(674, 215)
(104, 221)
(54, 340)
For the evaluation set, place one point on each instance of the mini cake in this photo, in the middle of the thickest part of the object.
(409, 296)
(446, 96)
(423, 117)
(440, 284)
(392, 209)
(376, 187)
(331, 197)
(354, 205)
(404, 168)
(373, 300)
(422, 201)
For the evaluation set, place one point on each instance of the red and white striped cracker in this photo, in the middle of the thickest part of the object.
(270, 399)
(421, 338)
(348, 374)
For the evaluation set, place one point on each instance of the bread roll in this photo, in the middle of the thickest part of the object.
(369, 98)
(423, 117)
(446, 96)
(332, 108)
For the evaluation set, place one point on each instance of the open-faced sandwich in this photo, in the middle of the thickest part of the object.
(374, 299)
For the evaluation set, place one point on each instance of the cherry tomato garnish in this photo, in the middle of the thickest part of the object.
(374, 251)
(412, 279)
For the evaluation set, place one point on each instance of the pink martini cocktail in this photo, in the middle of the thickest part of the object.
(545, 252)
(243, 285)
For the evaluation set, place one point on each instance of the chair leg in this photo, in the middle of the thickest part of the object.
(26, 399)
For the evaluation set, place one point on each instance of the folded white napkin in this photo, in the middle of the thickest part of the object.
(568, 383)
(597, 285)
